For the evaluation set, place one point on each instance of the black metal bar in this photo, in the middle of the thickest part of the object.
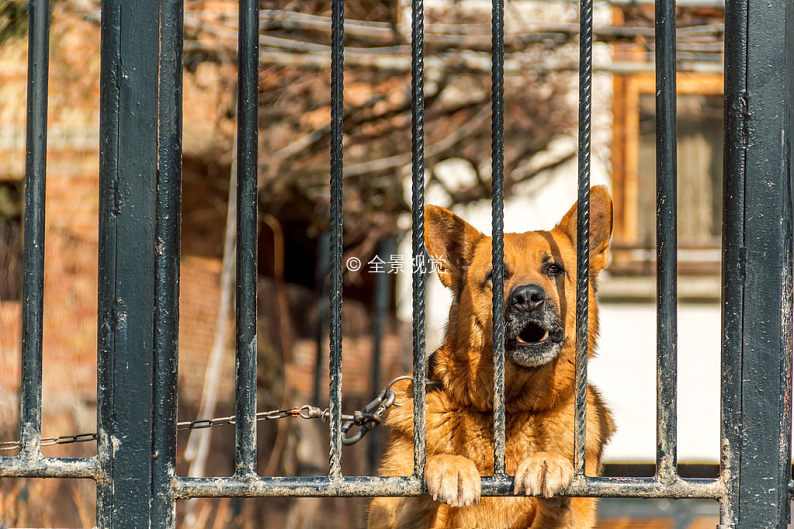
(734, 164)
(167, 249)
(33, 274)
(335, 357)
(418, 229)
(247, 171)
(349, 486)
(321, 281)
(109, 93)
(497, 231)
(381, 302)
(127, 189)
(757, 267)
(583, 229)
(666, 242)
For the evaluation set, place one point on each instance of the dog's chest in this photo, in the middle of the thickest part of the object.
(471, 435)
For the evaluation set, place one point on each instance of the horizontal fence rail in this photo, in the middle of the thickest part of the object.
(139, 257)
(351, 486)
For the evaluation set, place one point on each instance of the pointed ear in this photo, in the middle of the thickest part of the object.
(451, 240)
(600, 226)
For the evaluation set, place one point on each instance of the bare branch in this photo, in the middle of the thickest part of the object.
(399, 160)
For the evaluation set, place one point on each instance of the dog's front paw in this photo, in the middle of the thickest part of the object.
(543, 474)
(453, 480)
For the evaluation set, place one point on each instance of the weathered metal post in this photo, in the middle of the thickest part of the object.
(140, 166)
(757, 264)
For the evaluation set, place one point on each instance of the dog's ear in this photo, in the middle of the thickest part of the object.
(451, 240)
(600, 226)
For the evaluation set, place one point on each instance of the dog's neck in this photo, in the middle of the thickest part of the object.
(467, 379)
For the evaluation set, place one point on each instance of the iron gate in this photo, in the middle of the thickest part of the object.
(140, 187)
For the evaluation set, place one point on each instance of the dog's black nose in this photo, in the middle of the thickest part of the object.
(527, 297)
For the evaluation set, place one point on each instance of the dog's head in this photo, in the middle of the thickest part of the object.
(539, 294)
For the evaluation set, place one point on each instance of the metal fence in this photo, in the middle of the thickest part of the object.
(139, 253)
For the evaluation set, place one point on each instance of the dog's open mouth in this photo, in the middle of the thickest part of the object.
(534, 343)
(532, 333)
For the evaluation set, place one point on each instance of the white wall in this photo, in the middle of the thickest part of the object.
(625, 373)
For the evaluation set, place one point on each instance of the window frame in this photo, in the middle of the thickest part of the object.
(627, 89)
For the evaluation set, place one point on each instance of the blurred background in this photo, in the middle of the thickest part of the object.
(294, 114)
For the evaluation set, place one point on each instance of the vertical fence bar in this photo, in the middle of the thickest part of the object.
(381, 302)
(734, 163)
(335, 357)
(666, 242)
(127, 198)
(757, 264)
(109, 90)
(167, 248)
(497, 231)
(583, 228)
(33, 275)
(321, 280)
(418, 228)
(247, 175)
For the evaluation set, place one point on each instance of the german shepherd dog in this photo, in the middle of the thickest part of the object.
(540, 322)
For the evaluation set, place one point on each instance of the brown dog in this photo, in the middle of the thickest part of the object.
(540, 321)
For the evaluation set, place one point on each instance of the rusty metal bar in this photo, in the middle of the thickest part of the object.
(247, 171)
(666, 242)
(734, 161)
(418, 230)
(167, 259)
(337, 113)
(583, 230)
(33, 265)
(350, 486)
(49, 467)
(497, 232)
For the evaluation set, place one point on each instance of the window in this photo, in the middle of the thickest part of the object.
(700, 117)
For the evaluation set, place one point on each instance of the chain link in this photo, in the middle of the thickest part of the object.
(366, 419)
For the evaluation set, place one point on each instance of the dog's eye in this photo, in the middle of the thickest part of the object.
(507, 273)
(554, 269)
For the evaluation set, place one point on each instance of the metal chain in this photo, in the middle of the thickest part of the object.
(366, 419)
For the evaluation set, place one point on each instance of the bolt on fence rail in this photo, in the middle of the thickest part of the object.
(140, 193)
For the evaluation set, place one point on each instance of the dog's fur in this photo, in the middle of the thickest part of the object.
(539, 382)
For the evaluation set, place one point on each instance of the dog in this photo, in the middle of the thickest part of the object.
(540, 323)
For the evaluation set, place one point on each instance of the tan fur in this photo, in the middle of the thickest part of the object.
(539, 402)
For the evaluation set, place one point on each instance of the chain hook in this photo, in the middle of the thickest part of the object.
(369, 417)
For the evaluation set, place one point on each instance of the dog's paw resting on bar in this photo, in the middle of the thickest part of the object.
(540, 343)
(453, 480)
